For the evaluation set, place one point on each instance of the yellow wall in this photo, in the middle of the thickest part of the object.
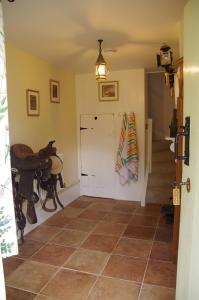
(56, 121)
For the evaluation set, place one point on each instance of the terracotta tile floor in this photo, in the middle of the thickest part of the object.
(95, 249)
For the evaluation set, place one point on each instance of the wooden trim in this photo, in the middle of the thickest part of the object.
(180, 61)
(179, 166)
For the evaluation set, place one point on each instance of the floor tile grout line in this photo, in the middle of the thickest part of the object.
(93, 286)
(122, 236)
(161, 286)
(29, 259)
(131, 256)
(51, 278)
(63, 265)
(46, 242)
(135, 238)
(75, 250)
(37, 293)
(79, 246)
(21, 289)
(60, 211)
(90, 273)
(58, 268)
(89, 233)
(35, 251)
(122, 279)
(112, 253)
(79, 271)
(105, 264)
(142, 283)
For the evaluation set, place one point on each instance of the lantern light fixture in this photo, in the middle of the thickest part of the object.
(165, 57)
(165, 60)
(101, 69)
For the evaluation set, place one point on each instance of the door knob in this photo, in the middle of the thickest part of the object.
(186, 183)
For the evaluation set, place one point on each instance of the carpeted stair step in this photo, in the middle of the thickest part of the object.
(159, 146)
(163, 156)
(163, 168)
(160, 181)
(158, 195)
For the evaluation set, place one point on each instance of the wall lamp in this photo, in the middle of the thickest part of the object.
(165, 60)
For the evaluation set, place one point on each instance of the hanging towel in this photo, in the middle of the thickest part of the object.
(127, 154)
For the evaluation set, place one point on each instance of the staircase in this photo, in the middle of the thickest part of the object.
(160, 181)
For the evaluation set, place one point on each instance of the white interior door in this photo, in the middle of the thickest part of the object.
(188, 257)
(97, 155)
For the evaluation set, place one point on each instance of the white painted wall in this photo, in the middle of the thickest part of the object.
(131, 98)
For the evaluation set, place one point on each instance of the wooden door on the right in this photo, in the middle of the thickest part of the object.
(178, 163)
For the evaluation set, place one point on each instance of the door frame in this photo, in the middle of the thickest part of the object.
(179, 163)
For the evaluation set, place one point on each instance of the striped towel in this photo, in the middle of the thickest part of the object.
(127, 154)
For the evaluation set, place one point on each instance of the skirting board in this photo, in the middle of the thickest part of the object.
(66, 196)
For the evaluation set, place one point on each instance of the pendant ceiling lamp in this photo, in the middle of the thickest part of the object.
(100, 66)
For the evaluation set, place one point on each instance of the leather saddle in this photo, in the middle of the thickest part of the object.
(28, 167)
(28, 163)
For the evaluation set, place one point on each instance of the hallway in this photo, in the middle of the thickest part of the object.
(95, 249)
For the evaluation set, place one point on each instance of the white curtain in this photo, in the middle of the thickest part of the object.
(8, 236)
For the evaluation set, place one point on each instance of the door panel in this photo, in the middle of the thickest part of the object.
(176, 224)
(97, 155)
(188, 257)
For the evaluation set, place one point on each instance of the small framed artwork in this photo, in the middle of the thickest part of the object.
(108, 91)
(32, 103)
(54, 91)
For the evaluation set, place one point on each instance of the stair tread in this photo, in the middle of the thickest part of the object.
(160, 181)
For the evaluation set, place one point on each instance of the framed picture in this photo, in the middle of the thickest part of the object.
(108, 91)
(32, 103)
(54, 91)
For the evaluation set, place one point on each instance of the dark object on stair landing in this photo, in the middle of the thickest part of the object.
(174, 124)
(168, 211)
(28, 167)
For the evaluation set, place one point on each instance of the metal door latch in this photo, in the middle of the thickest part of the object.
(186, 134)
(186, 183)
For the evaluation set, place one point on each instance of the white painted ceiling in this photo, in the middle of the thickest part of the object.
(65, 32)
